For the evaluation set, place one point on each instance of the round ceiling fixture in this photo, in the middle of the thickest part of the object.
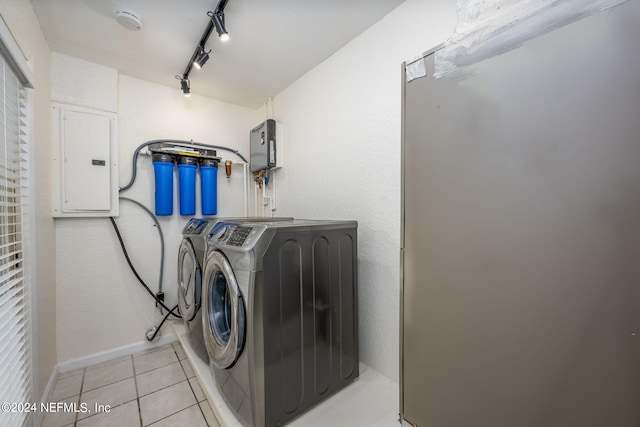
(129, 20)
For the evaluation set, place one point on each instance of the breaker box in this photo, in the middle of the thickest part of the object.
(265, 146)
(85, 180)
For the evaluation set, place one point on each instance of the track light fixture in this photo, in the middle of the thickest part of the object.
(185, 85)
(202, 58)
(217, 18)
(200, 55)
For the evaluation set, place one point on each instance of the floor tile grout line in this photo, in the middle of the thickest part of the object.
(165, 387)
(196, 397)
(135, 381)
(206, 421)
(121, 379)
(191, 386)
(106, 363)
(170, 415)
(159, 367)
(75, 418)
(152, 350)
(106, 385)
(132, 358)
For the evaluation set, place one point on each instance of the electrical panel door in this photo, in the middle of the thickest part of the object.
(86, 157)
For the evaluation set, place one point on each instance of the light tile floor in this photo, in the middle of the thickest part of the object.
(155, 388)
(371, 401)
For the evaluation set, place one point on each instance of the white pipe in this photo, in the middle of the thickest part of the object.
(273, 191)
(264, 201)
(269, 108)
(245, 181)
(255, 193)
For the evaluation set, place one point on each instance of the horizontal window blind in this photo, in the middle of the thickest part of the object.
(15, 309)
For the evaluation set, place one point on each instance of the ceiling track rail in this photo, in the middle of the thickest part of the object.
(200, 55)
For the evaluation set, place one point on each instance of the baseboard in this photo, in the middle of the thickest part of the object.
(103, 356)
(46, 394)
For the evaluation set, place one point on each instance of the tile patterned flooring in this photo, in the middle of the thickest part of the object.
(371, 401)
(156, 388)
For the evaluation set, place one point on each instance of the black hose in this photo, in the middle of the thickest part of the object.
(160, 325)
(126, 255)
(155, 221)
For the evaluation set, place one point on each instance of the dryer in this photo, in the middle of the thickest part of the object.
(191, 257)
(280, 314)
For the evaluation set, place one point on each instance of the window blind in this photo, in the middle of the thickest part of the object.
(15, 309)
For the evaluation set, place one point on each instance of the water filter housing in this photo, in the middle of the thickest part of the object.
(188, 155)
(209, 186)
(163, 170)
(187, 167)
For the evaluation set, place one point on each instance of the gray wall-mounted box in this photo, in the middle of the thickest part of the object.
(265, 146)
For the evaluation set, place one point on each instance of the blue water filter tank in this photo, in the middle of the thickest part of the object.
(163, 170)
(209, 186)
(187, 167)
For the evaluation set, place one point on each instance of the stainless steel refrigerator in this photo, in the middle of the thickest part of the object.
(520, 299)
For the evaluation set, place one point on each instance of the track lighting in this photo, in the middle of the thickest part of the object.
(200, 55)
(186, 86)
(218, 23)
(202, 58)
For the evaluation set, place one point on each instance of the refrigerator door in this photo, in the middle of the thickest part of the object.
(521, 235)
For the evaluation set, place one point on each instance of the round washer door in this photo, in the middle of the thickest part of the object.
(189, 280)
(223, 312)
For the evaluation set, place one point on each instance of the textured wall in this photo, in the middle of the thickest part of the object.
(100, 304)
(22, 21)
(342, 135)
(78, 82)
(342, 130)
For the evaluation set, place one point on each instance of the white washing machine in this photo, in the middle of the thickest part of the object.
(279, 312)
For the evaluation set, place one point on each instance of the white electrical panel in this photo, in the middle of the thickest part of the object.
(85, 162)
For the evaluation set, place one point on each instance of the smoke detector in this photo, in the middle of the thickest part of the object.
(129, 20)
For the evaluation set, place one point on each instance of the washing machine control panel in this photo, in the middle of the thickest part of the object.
(195, 226)
(239, 235)
(229, 234)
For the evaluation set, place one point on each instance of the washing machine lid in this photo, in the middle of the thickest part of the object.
(189, 280)
(223, 317)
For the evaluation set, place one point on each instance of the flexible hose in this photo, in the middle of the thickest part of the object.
(160, 325)
(155, 220)
(175, 141)
(126, 255)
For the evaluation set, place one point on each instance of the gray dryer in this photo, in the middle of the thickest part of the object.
(280, 315)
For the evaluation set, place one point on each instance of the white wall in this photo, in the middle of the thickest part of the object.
(22, 21)
(342, 132)
(100, 304)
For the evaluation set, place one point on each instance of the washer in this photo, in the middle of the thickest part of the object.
(191, 257)
(280, 315)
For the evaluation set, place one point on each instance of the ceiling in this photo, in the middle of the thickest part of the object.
(272, 42)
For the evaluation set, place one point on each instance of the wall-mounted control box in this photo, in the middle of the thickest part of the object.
(266, 146)
(85, 161)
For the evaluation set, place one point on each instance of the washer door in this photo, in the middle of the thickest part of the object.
(223, 312)
(189, 280)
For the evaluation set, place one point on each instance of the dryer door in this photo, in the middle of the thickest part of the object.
(223, 312)
(189, 280)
